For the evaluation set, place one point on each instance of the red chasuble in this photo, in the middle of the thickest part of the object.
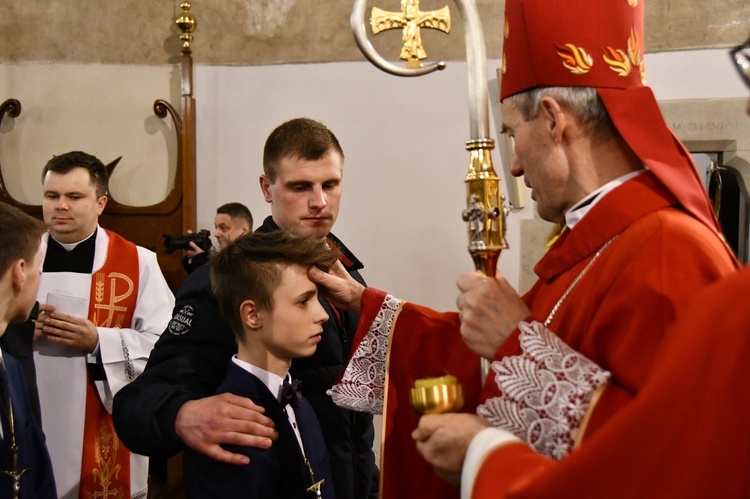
(684, 435)
(617, 316)
(105, 468)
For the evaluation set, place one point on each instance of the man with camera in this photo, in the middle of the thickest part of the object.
(231, 221)
(172, 405)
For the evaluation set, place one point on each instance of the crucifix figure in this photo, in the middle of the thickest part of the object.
(411, 19)
(315, 487)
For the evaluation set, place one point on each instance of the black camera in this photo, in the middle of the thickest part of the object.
(202, 239)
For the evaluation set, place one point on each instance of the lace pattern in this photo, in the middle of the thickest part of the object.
(546, 391)
(129, 368)
(362, 387)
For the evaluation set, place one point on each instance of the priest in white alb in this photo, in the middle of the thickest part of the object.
(104, 303)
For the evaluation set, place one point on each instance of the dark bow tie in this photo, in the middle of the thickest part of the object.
(290, 393)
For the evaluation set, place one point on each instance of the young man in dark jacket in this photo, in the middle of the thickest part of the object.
(171, 404)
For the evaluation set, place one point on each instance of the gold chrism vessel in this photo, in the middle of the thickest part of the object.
(436, 395)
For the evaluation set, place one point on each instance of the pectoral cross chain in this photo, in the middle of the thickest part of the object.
(14, 473)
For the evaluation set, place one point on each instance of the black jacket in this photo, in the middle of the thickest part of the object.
(278, 472)
(190, 264)
(38, 481)
(189, 362)
(18, 341)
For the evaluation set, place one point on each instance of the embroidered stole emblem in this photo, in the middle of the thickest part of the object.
(105, 467)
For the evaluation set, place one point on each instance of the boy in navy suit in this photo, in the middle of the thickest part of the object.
(264, 294)
(25, 467)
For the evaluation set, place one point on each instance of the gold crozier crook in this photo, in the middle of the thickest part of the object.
(411, 20)
(484, 213)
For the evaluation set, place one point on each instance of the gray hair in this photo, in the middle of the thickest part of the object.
(583, 102)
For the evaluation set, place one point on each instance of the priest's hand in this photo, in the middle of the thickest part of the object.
(44, 311)
(443, 439)
(70, 330)
(206, 423)
(339, 288)
(490, 310)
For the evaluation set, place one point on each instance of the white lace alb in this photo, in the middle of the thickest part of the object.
(546, 391)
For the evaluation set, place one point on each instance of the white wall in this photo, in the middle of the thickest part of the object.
(403, 140)
(405, 156)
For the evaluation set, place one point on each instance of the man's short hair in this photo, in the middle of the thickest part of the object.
(19, 236)
(583, 102)
(250, 268)
(64, 163)
(301, 138)
(236, 210)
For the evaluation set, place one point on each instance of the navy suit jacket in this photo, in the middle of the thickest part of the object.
(278, 472)
(38, 481)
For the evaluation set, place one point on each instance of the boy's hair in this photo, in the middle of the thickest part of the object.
(250, 268)
(298, 138)
(236, 210)
(19, 236)
(69, 161)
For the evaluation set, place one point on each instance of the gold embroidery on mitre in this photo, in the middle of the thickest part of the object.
(105, 453)
(575, 59)
(506, 31)
(635, 52)
(618, 61)
(504, 66)
(633, 3)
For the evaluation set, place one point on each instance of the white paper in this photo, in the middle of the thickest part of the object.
(66, 304)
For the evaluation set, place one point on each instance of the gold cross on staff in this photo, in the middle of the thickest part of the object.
(411, 19)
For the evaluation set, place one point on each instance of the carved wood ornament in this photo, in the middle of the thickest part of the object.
(145, 225)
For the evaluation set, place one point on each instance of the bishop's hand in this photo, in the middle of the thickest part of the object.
(490, 310)
(339, 288)
(443, 440)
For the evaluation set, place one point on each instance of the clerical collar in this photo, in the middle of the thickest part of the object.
(576, 213)
(271, 380)
(72, 246)
(70, 257)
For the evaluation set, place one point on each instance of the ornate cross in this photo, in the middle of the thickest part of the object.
(411, 19)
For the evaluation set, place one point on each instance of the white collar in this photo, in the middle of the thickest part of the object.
(71, 246)
(272, 381)
(576, 213)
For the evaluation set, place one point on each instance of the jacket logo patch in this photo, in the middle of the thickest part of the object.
(182, 321)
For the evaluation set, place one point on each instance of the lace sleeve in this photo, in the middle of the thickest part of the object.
(546, 391)
(362, 386)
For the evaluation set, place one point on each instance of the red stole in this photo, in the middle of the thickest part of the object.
(105, 466)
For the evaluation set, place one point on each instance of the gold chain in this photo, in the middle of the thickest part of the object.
(575, 282)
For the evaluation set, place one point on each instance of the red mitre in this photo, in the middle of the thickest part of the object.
(599, 43)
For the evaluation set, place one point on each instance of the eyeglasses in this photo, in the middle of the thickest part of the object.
(741, 57)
